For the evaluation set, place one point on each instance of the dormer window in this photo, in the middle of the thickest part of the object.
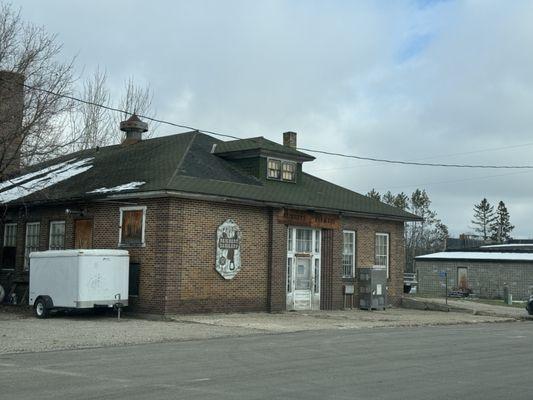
(288, 171)
(281, 170)
(274, 168)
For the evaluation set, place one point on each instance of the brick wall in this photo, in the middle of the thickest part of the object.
(177, 263)
(200, 288)
(485, 279)
(366, 230)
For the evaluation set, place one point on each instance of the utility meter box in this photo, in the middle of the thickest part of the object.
(63, 279)
(372, 288)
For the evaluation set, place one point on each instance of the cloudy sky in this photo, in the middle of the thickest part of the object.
(435, 81)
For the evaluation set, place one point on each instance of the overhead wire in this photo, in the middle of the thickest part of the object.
(329, 153)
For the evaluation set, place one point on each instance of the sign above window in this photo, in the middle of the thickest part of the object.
(307, 218)
(228, 257)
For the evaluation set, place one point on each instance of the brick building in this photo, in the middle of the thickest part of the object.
(210, 225)
(484, 271)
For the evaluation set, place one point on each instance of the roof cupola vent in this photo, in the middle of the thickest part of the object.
(134, 129)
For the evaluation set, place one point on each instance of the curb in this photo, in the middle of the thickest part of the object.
(417, 304)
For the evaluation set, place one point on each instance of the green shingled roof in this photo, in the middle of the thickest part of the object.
(184, 164)
(258, 144)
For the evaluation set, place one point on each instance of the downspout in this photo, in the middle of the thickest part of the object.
(270, 249)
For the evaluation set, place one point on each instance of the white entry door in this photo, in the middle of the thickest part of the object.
(303, 290)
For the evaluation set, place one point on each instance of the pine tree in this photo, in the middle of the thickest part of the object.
(401, 200)
(388, 198)
(374, 194)
(483, 218)
(501, 226)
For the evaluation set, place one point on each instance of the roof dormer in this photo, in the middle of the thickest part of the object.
(265, 159)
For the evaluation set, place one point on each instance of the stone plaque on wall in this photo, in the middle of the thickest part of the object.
(228, 261)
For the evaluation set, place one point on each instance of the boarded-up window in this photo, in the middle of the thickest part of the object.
(83, 234)
(132, 225)
(134, 279)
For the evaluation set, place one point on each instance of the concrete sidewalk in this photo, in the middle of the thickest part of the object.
(469, 306)
(20, 332)
(332, 320)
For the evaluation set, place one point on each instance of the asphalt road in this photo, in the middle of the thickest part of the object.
(489, 361)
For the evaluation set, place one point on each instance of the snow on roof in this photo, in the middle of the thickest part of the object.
(119, 188)
(478, 255)
(503, 246)
(32, 182)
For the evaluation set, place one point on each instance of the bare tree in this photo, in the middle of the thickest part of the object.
(135, 100)
(91, 125)
(30, 51)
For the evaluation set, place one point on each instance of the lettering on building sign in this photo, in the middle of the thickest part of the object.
(228, 262)
(309, 218)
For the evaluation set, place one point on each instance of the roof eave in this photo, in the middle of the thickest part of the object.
(209, 197)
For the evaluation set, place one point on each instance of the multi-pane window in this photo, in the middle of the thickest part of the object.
(317, 241)
(274, 168)
(132, 221)
(304, 240)
(10, 235)
(289, 275)
(348, 254)
(32, 241)
(382, 251)
(57, 235)
(281, 170)
(317, 275)
(288, 170)
(10, 245)
(289, 239)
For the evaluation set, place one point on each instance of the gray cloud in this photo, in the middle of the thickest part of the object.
(414, 80)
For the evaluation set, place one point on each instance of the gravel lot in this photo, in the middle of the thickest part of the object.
(21, 332)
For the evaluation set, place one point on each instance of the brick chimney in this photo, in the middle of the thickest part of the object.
(289, 139)
(11, 111)
(134, 129)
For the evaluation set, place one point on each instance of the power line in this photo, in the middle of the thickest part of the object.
(475, 178)
(353, 166)
(383, 160)
(106, 107)
(183, 126)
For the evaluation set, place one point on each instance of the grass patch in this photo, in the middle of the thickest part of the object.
(495, 302)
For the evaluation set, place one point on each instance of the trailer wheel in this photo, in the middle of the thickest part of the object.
(41, 311)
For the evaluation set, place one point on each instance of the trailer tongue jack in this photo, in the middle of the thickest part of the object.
(118, 306)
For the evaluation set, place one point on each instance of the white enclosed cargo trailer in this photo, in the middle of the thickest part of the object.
(73, 279)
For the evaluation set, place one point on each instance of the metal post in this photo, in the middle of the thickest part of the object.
(446, 276)
(118, 306)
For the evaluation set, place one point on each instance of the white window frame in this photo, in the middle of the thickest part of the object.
(10, 225)
(314, 254)
(132, 208)
(58, 222)
(354, 252)
(26, 252)
(387, 255)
